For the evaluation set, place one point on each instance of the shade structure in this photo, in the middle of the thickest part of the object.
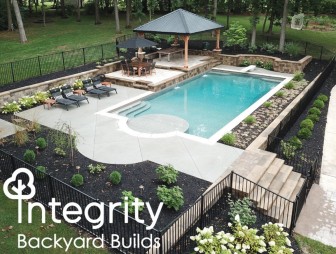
(136, 42)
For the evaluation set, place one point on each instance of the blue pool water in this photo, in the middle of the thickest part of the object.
(208, 102)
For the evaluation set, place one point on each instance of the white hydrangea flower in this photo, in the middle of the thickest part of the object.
(271, 243)
(238, 246)
(237, 218)
(288, 242)
(196, 249)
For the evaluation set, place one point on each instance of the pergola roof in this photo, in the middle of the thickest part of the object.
(179, 22)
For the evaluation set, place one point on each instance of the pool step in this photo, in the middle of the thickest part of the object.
(135, 109)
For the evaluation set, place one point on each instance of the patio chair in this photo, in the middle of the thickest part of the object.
(56, 94)
(153, 67)
(89, 88)
(146, 70)
(69, 94)
(98, 85)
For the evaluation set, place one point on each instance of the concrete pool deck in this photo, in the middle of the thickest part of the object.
(101, 139)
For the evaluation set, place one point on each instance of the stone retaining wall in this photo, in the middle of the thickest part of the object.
(15, 94)
(279, 65)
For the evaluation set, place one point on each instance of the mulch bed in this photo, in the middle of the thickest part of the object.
(98, 185)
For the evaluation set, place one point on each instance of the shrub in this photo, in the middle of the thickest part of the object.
(29, 156)
(167, 174)
(318, 104)
(95, 169)
(269, 47)
(274, 233)
(259, 63)
(252, 49)
(323, 97)
(268, 66)
(292, 49)
(288, 149)
(40, 97)
(41, 143)
(10, 108)
(20, 137)
(60, 152)
(250, 120)
(242, 207)
(298, 76)
(313, 117)
(307, 123)
(27, 101)
(229, 139)
(123, 50)
(235, 35)
(78, 84)
(267, 104)
(314, 111)
(171, 197)
(295, 141)
(40, 172)
(115, 177)
(157, 38)
(33, 126)
(304, 133)
(245, 63)
(128, 199)
(290, 85)
(280, 94)
(77, 180)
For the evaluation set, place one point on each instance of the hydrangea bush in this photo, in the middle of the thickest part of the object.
(243, 240)
(27, 101)
(10, 108)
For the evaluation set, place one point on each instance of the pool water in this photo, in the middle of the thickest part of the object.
(207, 102)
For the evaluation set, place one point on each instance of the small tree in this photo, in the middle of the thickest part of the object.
(235, 35)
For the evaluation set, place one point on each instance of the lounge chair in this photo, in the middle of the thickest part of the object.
(98, 85)
(89, 88)
(58, 97)
(69, 94)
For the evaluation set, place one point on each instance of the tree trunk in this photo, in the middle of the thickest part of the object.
(270, 27)
(214, 14)
(228, 14)
(128, 13)
(22, 32)
(116, 14)
(97, 16)
(265, 20)
(254, 33)
(78, 11)
(283, 27)
(63, 9)
(43, 13)
(9, 17)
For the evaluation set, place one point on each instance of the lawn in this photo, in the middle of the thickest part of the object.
(66, 34)
(9, 230)
(310, 246)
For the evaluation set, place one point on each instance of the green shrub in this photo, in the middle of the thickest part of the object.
(115, 177)
(171, 197)
(27, 101)
(78, 84)
(29, 156)
(298, 76)
(304, 133)
(252, 49)
(229, 139)
(235, 35)
(41, 143)
(40, 172)
(280, 94)
(267, 104)
(259, 64)
(10, 108)
(128, 199)
(307, 123)
(287, 149)
(242, 207)
(290, 85)
(269, 47)
(40, 97)
(245, 63)
(250, 120)
(268, 66)
(167, 174)
(77, 180)
(295, 141)
(60, 152)
(95, 169)
(323, 97)
(318, 104)
(314, 111)
(313, 117)
(292, 49)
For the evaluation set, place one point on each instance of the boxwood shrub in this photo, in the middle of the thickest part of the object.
(307, 123)
(304, 133)
(318, 104)
(314, 111)
(313, 117)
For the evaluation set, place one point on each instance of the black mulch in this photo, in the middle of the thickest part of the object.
(99, 187)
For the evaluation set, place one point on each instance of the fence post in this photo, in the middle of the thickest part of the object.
(161, 242)
(293, 219)
(13, 163)
(39, 64)
(102, 50)
(83, 55)
(11, 64)
(63, 60)
(306, 47)
(51, 186)
(202, 215)
(321, 53)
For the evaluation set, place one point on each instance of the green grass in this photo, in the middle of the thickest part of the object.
(309, 246)
(9, 230)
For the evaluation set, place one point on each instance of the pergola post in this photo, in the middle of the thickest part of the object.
(186, 44)
(217, 49)
(141, 34)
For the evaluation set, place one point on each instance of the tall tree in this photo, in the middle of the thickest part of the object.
(78, 19)
(215, 6)
(22, 32)
(43, 12)
(63, 13)
(9, 17)
(128, 13)
(283, 27)
(97, 15)
(228, 10)
(116, 15)
(152, 5)
(255, 7)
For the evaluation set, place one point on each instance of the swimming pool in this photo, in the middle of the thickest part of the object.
(208, 102)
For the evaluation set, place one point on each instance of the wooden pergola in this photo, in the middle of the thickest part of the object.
(181, 23)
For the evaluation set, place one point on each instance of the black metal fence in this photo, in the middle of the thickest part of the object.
(42, 65)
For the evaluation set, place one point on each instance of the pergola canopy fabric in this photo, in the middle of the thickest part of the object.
(179, 22)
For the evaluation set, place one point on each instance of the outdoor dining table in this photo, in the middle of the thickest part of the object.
(139, 65)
